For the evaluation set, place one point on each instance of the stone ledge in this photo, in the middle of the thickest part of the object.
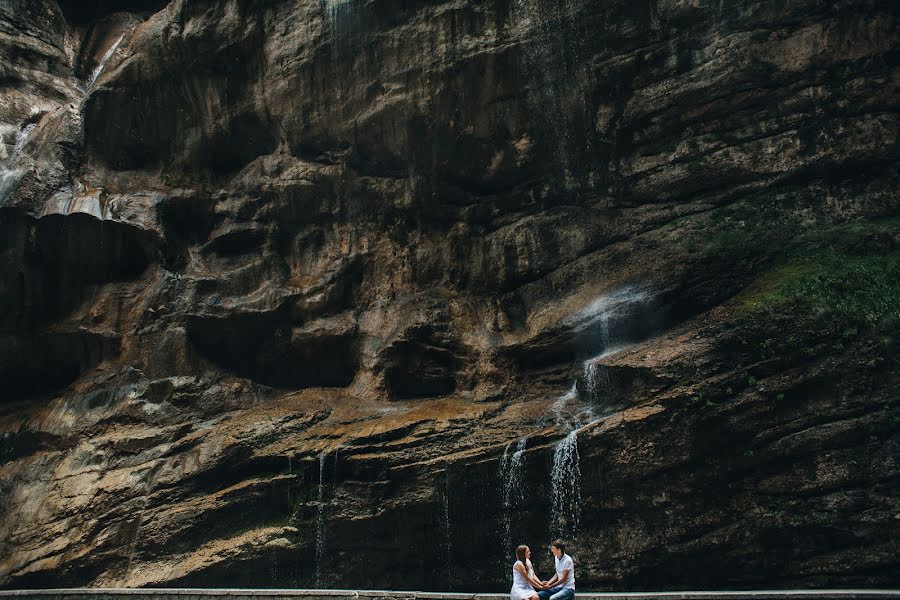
(294, 594)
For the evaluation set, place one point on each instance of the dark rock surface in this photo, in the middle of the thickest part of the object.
(285, 283)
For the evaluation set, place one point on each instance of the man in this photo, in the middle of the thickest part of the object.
(562, 586)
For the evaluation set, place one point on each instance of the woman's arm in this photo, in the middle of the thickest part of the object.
(521, 569)
(532, 578)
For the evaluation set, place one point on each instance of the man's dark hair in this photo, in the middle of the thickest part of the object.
(559, 544)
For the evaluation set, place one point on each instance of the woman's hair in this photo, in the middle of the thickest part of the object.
(521, 555)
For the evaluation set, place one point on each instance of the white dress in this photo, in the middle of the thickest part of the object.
(521, 589)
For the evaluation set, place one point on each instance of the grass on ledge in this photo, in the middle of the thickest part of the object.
(862, 290)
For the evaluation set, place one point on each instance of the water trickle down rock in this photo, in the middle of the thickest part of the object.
(511, 476)
(9, 175)
(274, 568)
(565, 478)
(89, 82)
(617, 317)
(320, 521)
(340, 13)
(609, 324)
(596, 379)
(547, 60)
(448, 531)
(615, 320)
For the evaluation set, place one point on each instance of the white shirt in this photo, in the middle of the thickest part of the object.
(563, 563)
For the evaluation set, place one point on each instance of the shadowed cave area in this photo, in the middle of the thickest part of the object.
(266, 349)
(83, 12)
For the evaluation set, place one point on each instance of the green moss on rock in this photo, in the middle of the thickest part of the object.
(863, 290)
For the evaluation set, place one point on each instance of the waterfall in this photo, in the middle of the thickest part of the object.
(558, 408)
(548, 58)
(340, 13)
(616, 317)
(9, 175)
(132, 547)
(448, 532)
(117, 393)
(274, 568)
(596, 380)
(511, 476)
(21, 137)
(320, 521)
(9, 178)
(565, 479)
(609, 323)
(502, 474)
(89, 83)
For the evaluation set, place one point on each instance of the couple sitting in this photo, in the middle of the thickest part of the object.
(526, 585)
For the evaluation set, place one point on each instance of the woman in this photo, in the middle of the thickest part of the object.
(524, 580)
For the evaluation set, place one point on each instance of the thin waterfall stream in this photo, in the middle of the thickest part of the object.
(320, 521)
(340, 19)
(566, 488)
(511, 475)
(448, 530)
(9, 174)
(95, 73)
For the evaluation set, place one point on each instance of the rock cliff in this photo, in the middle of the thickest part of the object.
(360, 294)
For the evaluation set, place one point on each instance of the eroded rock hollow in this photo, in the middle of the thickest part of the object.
(362, 294)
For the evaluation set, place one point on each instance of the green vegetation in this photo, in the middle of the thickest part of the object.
(803, 266)
(860, 290)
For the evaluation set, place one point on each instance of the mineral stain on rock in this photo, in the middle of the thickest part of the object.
(334, 293)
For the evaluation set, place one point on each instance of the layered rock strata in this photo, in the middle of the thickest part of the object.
(289, 288)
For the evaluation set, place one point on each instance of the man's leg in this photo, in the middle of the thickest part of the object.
(547, 594)
(562, 594)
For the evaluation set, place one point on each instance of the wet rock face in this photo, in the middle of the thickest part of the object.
(314, 293)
